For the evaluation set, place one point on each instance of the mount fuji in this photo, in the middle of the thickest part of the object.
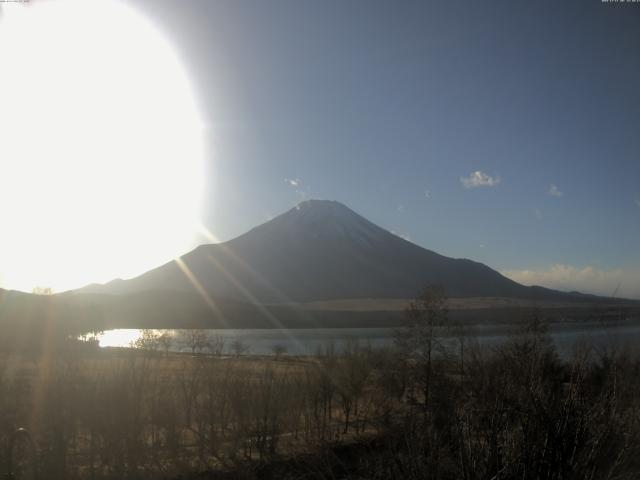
(318, 251)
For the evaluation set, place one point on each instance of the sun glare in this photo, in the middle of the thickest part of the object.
(122, 337)
(100, 145)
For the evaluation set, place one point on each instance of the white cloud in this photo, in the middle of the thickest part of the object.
(401, 208)
(625, 283)
(427, 194)
(294, 182)
(638, 203)
(300, 188)
(554, 192)
(479, 179)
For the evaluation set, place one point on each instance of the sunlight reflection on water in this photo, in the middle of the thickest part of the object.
(309, 341)
(119, 338)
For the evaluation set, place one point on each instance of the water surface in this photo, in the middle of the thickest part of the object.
(310, 341)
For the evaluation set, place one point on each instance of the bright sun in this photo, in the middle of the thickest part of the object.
(100, 145)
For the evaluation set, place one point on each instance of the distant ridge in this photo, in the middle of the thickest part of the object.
(322, 250)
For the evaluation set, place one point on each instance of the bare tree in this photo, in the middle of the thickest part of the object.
(42, 290)
(216, 344)
(165, 340)
(197, 340)
(148, 340)
(238, 347)
(278, 351)
(419, 340)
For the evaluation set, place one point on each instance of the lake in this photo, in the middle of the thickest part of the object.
(309, 341)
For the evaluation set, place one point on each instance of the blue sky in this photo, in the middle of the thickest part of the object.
(388, 106)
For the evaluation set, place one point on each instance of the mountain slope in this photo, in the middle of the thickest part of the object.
(322, 250)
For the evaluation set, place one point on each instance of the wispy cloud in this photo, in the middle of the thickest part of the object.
(624, 283)
(479, 179)
(300, 188)
(554, 191)
(638, 203)
(427, 194)
(401, 208)
(537, 213)
(404, 236)
(294, 182)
